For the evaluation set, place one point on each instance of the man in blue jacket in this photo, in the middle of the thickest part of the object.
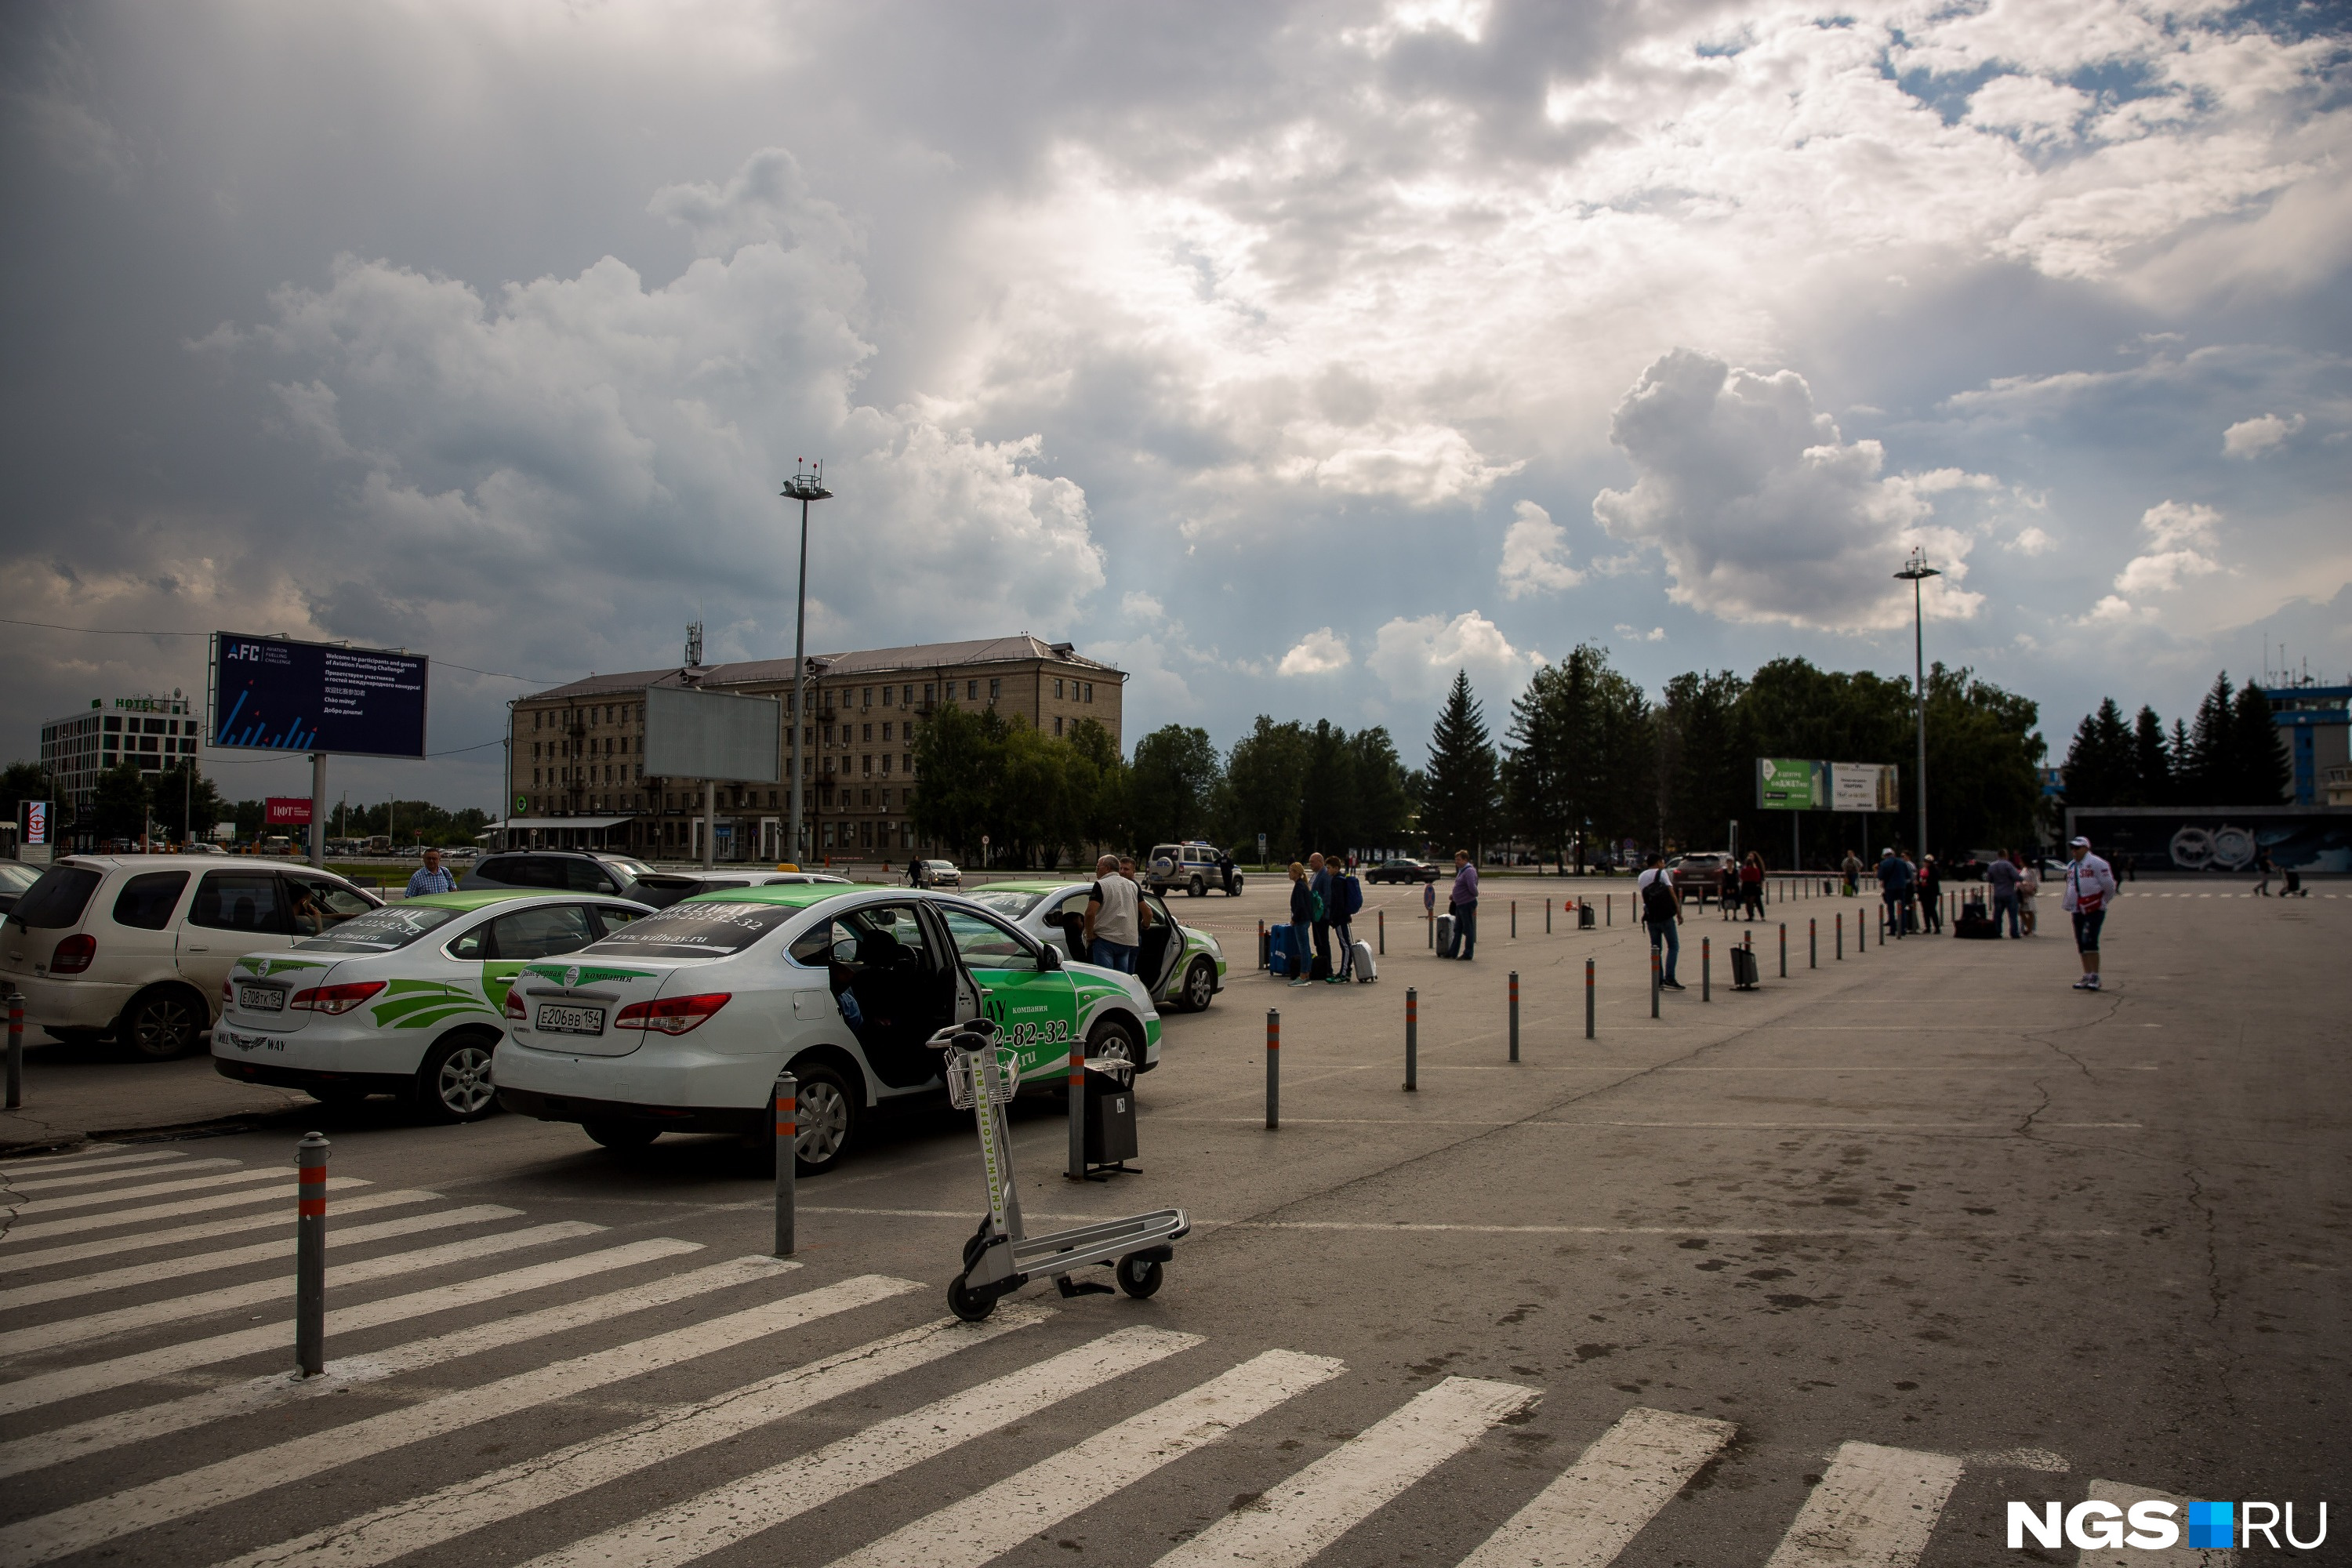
(1463, 902)
(1347, 897)
(1894, 887)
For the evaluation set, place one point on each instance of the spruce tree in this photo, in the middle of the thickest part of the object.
(2203, 774)
(2100, 765)
(1459, 805)
(2259, 773)
(2152, 760)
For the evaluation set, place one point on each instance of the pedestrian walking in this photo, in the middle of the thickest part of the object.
(1225, 872)
(2028, 884)
(430, 877)
(2002, 877)
(1852, 870)
(2090, 883)
(1320, 881)
(1347, 897)
(1752, 885)
(1894, 887)
(1662, 912)
(2263, 864)
(1726, 889)
(1302, 922)
(1464, 903)
(1114, 918)
(1931, 894)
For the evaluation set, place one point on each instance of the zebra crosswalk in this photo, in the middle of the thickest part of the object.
(611, 1369)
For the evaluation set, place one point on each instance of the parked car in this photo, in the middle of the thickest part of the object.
(14, 878)
(407, 999)
(681, 1022)
(1191, 867)
(1404, 871)
(138, 945)
(1183, 967)
(662, 889)
(562, 871)
(1699, 876)
(934, 873)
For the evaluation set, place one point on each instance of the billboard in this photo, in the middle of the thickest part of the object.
(33, 822)
(1791, 784)
(712, 735)
(286, 811)
(1865, 786)
(271, 694)
(2216, 839)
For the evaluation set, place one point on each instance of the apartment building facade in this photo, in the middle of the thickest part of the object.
(576, 753)
(154, 733)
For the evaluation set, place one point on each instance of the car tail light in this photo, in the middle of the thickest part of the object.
(334, 1000)
(514, 1007)
(672, 1014)
(73, 954)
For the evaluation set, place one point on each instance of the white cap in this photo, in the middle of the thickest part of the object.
(2078, 843)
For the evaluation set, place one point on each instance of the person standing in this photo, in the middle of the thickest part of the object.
(1302, 922)
(1931, 894)
(1752, 885)
(1225, 872)
(2263, 864)
(1853, 870)
(1114, 928)
(1347, 897)
(1662, 912)
(2002, 877)
(430, 877)
(2028, 884)
(1320, 883)
(1726, 888)
(2090, 883)
(1463, 902)
(1894, 887)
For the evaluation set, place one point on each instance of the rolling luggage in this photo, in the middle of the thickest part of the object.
(1448, 945)
(1975, 924)
(1362, 960)
(1743, 969)
(1583, 916)
(1278, 953)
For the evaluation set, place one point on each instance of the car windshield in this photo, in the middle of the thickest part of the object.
(1012, 905)
(13, 877)
(57, 899)
(694, 930)
(386, 929)
(634, 868)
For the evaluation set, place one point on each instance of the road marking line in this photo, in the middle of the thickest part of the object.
(415, 1523)
(95, 1155)
(105, 1519)
(2180, 1555)
(193, 1184)
(1298, 1517)
(238, 1257)
(1599, 1504)
(86, 1179)
(990, 1523)
(2003, 1127)
(50, 1257)
(1876, 1508)
(1204, 1223)
(102, 1433)
(70, 1382)
(744, 1507)
(81, 1224)
(253, 1292)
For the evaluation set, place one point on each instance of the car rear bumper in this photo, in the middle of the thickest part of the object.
(672, 1076)
(667, 1117)
(324, 1046)
(72, 1004)
(280, 1076)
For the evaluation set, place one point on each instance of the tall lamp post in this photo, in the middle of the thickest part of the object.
(807, 484)
(1916, 571)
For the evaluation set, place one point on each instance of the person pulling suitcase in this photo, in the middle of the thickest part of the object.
(1347, 897)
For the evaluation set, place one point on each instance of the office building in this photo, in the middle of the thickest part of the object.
(154, 733)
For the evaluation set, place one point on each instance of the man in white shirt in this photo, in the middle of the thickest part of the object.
(1114, 918)
(2090, 883)
(1662, 912)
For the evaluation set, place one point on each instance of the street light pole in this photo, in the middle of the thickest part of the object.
(805, 486)
(1917, 572)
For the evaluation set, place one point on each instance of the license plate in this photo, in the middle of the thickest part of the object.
(555, 1020)
(261, 998)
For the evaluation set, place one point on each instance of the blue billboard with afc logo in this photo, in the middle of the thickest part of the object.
(271, 694)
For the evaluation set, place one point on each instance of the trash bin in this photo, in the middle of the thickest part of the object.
(1583, 916)
(1110, 1114)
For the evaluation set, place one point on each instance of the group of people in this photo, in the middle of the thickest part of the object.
(1913, 891)
(1324, 895)
(1740, 888)
(1116, 916)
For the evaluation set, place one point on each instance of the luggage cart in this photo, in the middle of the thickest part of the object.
(983, 1076)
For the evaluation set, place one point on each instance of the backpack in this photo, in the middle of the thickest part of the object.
(1351, 895)
(1314, 902)
(1657, 899)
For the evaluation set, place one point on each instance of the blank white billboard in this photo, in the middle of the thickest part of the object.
(712, 735)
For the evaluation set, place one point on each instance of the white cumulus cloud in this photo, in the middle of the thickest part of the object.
(2031, 541)
(1535, 554)
(1417, 657)
(1319, 652)
(2180, 536)
(2249, 438)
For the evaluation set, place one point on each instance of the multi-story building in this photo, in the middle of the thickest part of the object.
(2313, 724)
(154, 733)
(576, 753)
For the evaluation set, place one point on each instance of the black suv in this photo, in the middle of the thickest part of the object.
(560, 871)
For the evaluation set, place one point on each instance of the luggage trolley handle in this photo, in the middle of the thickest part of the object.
(983, 1076)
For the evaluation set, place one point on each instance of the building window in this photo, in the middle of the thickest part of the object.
(868, 768)
(885, 731)
(885, 764)
(869, 697)
(886, 800)
(885, 697)
(995, 690)
(927, 696)
(1090, 691)
(971, 691)
(869, 733)
(1058, 724)
(1057, 689)
(907, 764)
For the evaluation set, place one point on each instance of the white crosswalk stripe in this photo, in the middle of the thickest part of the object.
(238, 1256)
(997, 1518)
(1300, 1516)
(1586, 1518)
(758, 1502)
(82, 1224)
(482, 1500)
(1876, 1508)
(153, 1190)
(49, 1387)
(104, 1432)
(147, 1314)
(29, 1183)
(98, 1155)
(105, 1519)
(182, 1235)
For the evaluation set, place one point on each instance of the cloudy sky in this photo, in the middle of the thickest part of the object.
(1289, 356)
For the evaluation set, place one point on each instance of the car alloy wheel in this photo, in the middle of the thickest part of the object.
(162, 1025)
(1114, 1038)
(1200, 986)
(828, 1120)
(455, 1083)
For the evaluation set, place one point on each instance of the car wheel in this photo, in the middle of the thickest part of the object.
(827, 1119)
(1116, 1037)
(621, 1134)
(1200, 986)
(1197, 889)
(164, 1023)
(453, 1083)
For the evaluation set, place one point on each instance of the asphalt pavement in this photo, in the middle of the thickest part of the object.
(1823, 1273)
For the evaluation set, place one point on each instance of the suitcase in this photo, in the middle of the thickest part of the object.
(1318, 967)
(1362, 960)
(1447, 942)
(1743, 969)
(1583, 916)
(1278, 953)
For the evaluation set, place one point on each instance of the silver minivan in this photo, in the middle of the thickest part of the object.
(139, 946)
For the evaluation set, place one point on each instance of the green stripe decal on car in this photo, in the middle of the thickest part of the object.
(418, 1004)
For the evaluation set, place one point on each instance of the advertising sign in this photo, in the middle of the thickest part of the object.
(1791, 784)
(712, 735)
(287, 811)
(271, 694)
(2311, 838)
(1865, 786)
(35, 826)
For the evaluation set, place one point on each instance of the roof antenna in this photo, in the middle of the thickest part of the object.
(693, 653)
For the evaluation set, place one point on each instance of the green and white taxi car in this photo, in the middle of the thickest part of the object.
(404, 999)
(681, 1022)
(1182, 966)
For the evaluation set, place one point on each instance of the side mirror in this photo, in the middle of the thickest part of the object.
(1048, 959)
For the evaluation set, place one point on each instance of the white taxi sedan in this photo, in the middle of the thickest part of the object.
(404, 999)
(681, 1022)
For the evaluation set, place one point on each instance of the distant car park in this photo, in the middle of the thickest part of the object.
(1403, 871)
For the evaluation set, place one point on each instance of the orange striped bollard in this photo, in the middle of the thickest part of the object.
(788, 1158)
(310, 1254)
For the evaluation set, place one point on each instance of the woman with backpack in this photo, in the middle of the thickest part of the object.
(1347, 897)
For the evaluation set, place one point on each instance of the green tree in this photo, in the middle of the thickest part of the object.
(1583, 755)
(1984, 757)
(2151, 759)
(2102, 767)
(1174, 778)
(1328, 806)
(1384, 807)
(959, 760)
(1709, 767)
(117, 806)
(2259, 771)
(1464, 783)
(1264, 783)
(2203, 770)
(183, 797)
(1104, 785)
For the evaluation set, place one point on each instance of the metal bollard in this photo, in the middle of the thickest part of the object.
(1812, 941)
(788, 1158)
(1784, 950)
(1265, 951)
(1383, 923)
(1609, 909)
(1273, 1068)
(1841, 934)
(1655, 982)
(1547, 917)
(16, 1050)
(1429, 919)
(1588, 998)
(1706, 969)
(1411, 1040)
(1515, 919)
(1077, 1171)
(1515, 1015)
(310, 1254)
